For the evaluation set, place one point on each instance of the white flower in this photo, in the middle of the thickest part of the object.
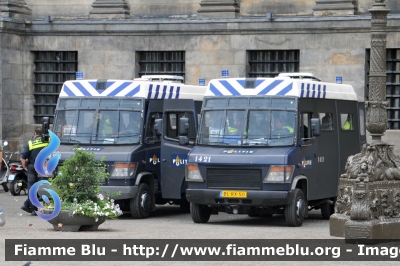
(100, 196)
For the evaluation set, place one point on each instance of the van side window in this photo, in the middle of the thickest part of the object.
(346, 120)
(305, 125)
(326, 121)
(172, 124)
(150, 124)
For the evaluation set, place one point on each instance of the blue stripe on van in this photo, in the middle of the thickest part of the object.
(319, 91)
(68, 91)
(157, 92)
(302, 90)
(270, 87)
(324, 92)
(214, 90)
(133, 92)
(164, 92)
(285, 90)
(229, 87)
(178, 89)
(171, 91)
(82, 89)
(119, 88)
(150, 91)
(313, 91)
(93, 83)
(308, 90)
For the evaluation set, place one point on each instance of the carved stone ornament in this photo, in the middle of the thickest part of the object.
(368, 201)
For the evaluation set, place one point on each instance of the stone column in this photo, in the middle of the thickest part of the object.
(15, 9)
(334, 8)
(376, 106)
(218, 9)
(109, 9)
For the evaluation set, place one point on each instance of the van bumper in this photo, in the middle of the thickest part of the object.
(254, 198)
(126, 192)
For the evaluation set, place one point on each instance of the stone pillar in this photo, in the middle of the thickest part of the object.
(334, 8)
(368, 200)
(15, 9)
(376, 106)
(218, 9)
(109, 9)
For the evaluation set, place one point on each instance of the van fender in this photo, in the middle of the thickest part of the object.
(148, 178)
(301, 182)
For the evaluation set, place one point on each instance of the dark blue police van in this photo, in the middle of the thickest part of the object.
(272, 146)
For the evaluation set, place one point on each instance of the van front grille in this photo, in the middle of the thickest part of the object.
(234, 178)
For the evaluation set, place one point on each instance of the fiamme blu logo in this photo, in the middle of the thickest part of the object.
(45, 163)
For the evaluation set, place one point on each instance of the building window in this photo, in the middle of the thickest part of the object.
(162, 63)
(269, 63)
(52, 68)
(392, 85)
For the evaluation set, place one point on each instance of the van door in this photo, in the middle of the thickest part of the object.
(327, 167)
(152, 141)
(173, 155)
(308, 147)
(348, 131)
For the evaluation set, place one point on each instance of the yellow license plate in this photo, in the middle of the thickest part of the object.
(233, 194)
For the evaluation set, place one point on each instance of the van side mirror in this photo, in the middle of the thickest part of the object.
(158, 127)
(316, 126)
(183, 126)
(183, 140)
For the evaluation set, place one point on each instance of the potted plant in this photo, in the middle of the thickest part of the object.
(83, 205)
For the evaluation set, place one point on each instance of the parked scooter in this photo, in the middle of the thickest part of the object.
(15, 175)
(17, 179)
(4, 169)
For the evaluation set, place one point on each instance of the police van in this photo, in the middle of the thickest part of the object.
(135, 126)
(272, 146)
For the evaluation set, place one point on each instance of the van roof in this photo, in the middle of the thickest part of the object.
(284, 86)
(131, 88)
(162, 78)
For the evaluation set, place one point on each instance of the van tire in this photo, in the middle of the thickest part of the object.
(142, 204)
(327, 210)
(296, 210)
(200, 213)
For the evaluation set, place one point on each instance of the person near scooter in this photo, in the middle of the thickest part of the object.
(28, 157)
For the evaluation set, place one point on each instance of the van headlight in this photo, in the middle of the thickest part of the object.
(192, 173)
(123, 171)
(279, 174)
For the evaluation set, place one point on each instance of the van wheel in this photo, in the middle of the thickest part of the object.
(296, 210)
(327, 210)
(200, 213)
(15, 190)
(142, 204)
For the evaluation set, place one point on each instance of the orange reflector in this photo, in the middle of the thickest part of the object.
(192, 167)
(124, 165)
(280, 168)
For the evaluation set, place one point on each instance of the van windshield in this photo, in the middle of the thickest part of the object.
(247, 127)
(98, 126)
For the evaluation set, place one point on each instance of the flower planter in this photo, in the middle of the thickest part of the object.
(67, 221)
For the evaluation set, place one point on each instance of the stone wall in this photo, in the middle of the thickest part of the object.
(17, 87)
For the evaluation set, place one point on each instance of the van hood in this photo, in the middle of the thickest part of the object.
(243, 155)
(111, 153)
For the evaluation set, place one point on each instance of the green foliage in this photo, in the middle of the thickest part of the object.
(80, 177)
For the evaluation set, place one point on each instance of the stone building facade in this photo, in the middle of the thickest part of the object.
(107, 39)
